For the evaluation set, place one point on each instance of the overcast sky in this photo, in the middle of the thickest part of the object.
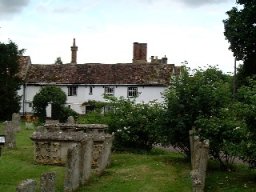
(105, 30)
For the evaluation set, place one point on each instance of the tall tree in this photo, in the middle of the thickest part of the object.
(204, 101)
(9, 81)
(240, 31)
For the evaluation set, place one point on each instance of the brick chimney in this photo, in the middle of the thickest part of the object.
(74, 49)
(139, 53)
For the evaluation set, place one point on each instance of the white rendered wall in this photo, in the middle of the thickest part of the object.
(146, 94)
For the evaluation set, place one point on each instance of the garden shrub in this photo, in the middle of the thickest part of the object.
(136, 125)
(94, 117)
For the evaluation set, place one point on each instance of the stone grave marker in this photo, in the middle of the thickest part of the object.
(10, 135)
(72, 175)
(47, 182)
(71, 120)
(28, 185)
(199, 159)
(16, 121)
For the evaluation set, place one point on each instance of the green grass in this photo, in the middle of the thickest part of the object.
(18, 164)
(143, 172)
(158, 171)
(241, 179)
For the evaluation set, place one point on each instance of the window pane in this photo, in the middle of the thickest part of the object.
(90, 90)
(72, 90)
(132, 91)
(109, 90)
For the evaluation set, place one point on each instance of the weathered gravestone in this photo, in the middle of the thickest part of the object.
(72, 175)
(47, 182)
(71, 120)
(102, 153)
(199, 158)
(85, 164)
(28, 185)
(10, 135)
(16, 121)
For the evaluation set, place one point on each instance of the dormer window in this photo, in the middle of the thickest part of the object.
(72, 90)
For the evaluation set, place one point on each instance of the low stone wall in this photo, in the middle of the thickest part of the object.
(199, 159)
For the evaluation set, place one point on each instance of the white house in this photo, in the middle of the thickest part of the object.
(84, 82)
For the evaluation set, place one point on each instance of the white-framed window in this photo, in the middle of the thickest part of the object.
(90, 90)
(72, 90)
(109, 90)
(132, 92)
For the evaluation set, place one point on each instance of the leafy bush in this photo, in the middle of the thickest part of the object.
(136, 126)
(94, 117)
(226, 132)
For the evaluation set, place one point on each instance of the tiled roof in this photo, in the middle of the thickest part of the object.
(143, 74)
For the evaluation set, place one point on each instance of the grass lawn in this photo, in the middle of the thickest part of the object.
(157, 171)
(18, 164)
(164, 172)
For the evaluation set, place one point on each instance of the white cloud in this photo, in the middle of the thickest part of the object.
(202, 2)
(10, 7)
(190, 3)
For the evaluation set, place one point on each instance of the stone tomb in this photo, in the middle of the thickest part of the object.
(52, 142)
(80, 147)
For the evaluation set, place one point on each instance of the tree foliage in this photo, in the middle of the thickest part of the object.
(9, 81)
(246, 96)
(53, 95)
(204, 101)
(240, 31)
